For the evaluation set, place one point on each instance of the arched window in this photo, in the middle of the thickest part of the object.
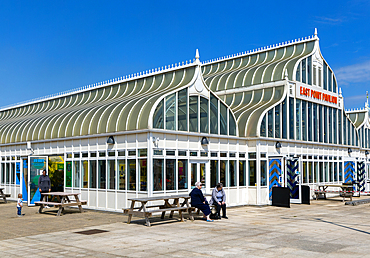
(194, 114)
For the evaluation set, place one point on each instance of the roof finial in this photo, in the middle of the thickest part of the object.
(315, 32)
(197, 61)
(340, 91)
(286, 74)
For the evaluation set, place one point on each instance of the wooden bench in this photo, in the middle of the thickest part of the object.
(147, 211)
(58, 204)
(4, 195)
(62, 201)
(344, 192)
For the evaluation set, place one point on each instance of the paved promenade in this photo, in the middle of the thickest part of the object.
(326, 228)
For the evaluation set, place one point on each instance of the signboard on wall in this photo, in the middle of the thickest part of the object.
(317, 95)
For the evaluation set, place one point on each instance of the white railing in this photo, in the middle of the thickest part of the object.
(261, 49)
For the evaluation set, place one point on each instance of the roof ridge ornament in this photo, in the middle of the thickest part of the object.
(315, 33)
(286, 74)
(197, 61)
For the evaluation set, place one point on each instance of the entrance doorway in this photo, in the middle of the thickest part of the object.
(32, 168)
(198, 173)
(36, 164)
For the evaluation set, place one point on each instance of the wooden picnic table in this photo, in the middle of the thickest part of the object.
(146, 211)
(3, 195)
(63, 200)
(346, 190)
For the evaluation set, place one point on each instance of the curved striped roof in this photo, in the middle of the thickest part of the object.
(249, 107)
(117, 107)
(358, 117)
(257, 68)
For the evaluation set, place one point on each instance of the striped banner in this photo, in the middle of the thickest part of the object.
(361, 176)
(292, 178)
(274, 174)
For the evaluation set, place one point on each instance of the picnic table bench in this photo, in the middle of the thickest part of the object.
(346, 190)
(63, 200)
(147, 211)
(3, 195)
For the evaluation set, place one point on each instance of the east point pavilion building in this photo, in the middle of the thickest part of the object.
(269, 117)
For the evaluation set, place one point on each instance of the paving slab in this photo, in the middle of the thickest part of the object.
(325, 228)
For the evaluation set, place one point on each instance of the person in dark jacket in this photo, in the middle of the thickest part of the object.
(219, 200)
(44, 184)
(198, 201)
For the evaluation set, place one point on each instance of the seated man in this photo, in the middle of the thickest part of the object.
(219, 199)
(198, 201)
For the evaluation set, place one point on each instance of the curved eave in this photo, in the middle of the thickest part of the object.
(118, 107)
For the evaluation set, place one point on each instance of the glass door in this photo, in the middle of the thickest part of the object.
(293, 179)
(198, 173)
(36, 166)
(275, 174)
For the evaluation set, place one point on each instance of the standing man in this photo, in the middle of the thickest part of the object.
(44, 185)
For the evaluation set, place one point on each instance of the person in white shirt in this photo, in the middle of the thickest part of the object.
(19, 205)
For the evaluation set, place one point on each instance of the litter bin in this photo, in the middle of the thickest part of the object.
(281, 197)
(305, 194)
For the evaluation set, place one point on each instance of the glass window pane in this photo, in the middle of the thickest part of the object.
(314, 116)
(232, 173)
(263, 172)
(334, 125)
(309, 120)
(214, 115)
(85, 173)
(193, 167)
(325, 124)
(270, 123)
(304, 70)
(111, 174)
(202, 177)
(304, 121)
(298, 73)
(329, 80)
(263, 127)
(68, 173)
(92, 168)
(252, 173)
(291, 118)
(143, 152)
(170, 174)
(325, 77)
(171, 112)
(277, 121)
(284, 120)
(102, 174)
(158, 121)
(158, 174)
(131, 174)
(76, 174)
(182, 173)
(298, 119)
(203, 115)
(193, 114)
(310, 179)
(309, 65)
(232, 124)
(223, 119)
(242, 172)
(143, 175)
(223, 171)
(304, 172)
(182, 110)
(122, 174)
(214, 173)
(320, 123)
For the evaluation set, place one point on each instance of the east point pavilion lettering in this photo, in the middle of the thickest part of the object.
(318, 95)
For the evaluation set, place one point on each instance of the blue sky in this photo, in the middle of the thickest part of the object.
(52, 46)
